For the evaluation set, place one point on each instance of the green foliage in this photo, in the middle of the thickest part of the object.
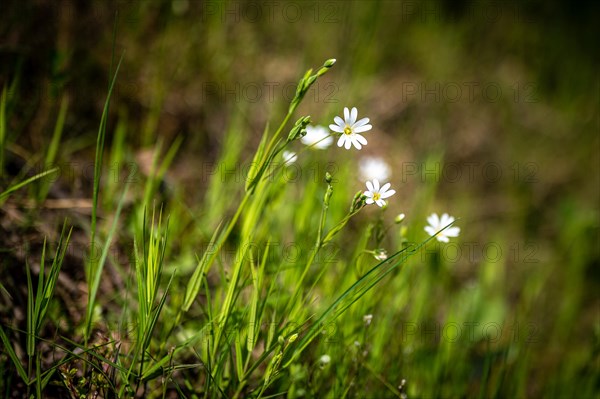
(279, 280)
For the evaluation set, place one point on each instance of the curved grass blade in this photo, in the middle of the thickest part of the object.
(13, 356)
(17, 186)
(355, 292)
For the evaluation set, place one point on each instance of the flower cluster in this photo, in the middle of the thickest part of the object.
(350, 131)
(373, 169)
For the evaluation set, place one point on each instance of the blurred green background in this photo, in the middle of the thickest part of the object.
(486, 110)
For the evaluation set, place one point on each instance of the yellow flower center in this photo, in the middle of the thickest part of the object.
(376, 196)
(347, 130)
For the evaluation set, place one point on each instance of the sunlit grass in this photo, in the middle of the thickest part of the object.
(251, 277)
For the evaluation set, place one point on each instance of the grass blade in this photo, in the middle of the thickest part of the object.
(13, 356)
(194, 285)
(53, 147)
(17, 186)
(355, 292)
(98, 173)
(95, 278)
(2, 130)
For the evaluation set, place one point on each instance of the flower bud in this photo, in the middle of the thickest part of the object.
(357, 202)
(328, 178)
(299, 129)
(399, 218)
(328, 64)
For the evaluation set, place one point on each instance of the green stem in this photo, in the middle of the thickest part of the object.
(318, 245)
(247, 195)
(228, 230)
(279, 130)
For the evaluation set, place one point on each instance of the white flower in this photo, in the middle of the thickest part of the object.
(380, 254)
(436, 224)
(375, 194)
(367, 319)
(289, 157)
(374, 168)
(350, 129)
(317, 137)
(325, 359)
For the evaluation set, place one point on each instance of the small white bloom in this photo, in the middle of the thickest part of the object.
(367, 319)
(380, 254)
(400, 218)
(350, 129)
(289, 157)
(436, 224)
(375, 194)
(325, 359)
(317, 137)
(374, 168)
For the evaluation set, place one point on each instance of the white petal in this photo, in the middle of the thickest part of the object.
(361, 122)
(360, 139)
(368, 194)
(376, 184)
(362, 129)
(388, 194)
(307, 139)
(380, 202)
(353, 115)
(346, 113)
(452, 231)
(370, 186)
(324, 143)
(336, 128)
(348, 143)
(433, 220)
(385, 187)
(320, 130)
(342, 140)
(444, 219)
(369, 201)
(339, 121)
(442, 238)
(356, 143)
(430, 230)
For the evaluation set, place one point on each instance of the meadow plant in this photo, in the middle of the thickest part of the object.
(211, 221)
(234, 332)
